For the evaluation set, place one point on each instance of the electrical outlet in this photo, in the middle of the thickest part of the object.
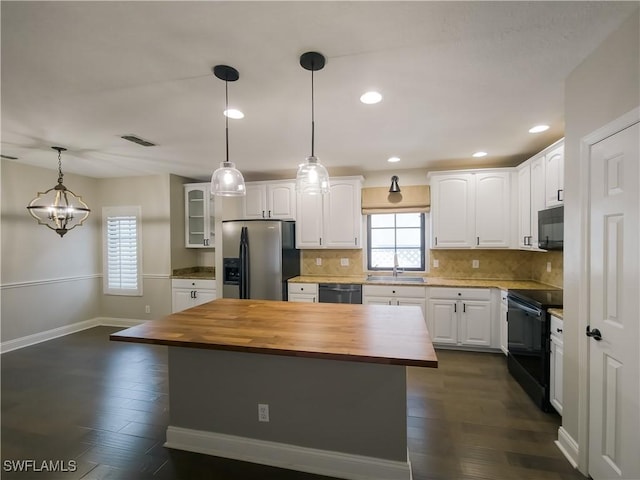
(344, 262)
(147, 309)
(548, 267)
(436, 263)
(475, 264)
(318, 261)
(263, 412)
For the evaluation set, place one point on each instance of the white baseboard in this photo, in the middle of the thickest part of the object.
(568, 446)
(303, 459)
(39, 337)
(119, 322)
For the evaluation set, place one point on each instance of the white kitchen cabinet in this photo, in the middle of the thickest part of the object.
(199, 215)
(504, 325)
(554, 176)
(461, 317)
(540, 185)
(264, 200)
(333, 220)
(556, 364)
(303, 292)
(471, 209)
(400, 295)
(524, 206)
(187, 293)
(492, 211)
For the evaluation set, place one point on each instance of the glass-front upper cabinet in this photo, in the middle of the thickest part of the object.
(199, 215)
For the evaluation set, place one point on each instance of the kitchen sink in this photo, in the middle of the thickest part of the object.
(390, 278)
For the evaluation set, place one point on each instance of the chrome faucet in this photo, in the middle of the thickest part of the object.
(396, 269)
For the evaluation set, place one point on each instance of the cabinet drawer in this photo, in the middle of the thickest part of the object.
(193, 283)
(460, 293)
(394, 291)
(308, 288)
(557, 327)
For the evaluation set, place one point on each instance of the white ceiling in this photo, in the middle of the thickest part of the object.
(457, 77)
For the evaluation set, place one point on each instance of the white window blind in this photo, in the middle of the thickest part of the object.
(122, 256)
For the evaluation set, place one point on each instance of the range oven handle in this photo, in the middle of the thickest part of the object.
(521, 306)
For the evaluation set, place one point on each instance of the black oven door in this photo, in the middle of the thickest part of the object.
(527, 340)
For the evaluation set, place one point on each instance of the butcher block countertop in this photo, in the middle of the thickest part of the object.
(357, 333)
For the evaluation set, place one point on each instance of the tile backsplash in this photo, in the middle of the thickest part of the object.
(492, 264)
(332, 262)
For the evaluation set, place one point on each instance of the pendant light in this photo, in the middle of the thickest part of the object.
(312, 177)
(59, 208)
(227, 181)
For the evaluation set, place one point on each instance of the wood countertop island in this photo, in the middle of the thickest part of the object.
(319, 388)
(359, 333)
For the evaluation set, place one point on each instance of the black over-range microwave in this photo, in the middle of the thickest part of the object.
(551, 228)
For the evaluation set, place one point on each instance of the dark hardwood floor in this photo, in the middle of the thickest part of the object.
(102, 407)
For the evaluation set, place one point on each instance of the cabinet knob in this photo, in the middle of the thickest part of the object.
(393, 291)
(301, 289)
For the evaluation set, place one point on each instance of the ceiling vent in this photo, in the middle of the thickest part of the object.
(138, 140)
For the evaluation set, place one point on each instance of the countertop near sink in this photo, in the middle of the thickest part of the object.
(196, 273)
(428, 281)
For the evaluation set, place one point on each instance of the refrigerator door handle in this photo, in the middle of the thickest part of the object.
(244, 263)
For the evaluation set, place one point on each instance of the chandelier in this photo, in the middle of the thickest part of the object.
(59, 208)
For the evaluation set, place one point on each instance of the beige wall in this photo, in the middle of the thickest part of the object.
(48, 282)
(152, 194)
(601, 89)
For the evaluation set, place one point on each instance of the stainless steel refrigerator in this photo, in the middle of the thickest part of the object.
(259, 256)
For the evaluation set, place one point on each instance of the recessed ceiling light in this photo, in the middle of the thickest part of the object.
(539, 128)
(370, 98)
(480, 154)
(233, 113)
(393, 159)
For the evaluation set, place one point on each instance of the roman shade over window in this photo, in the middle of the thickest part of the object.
(412, 199)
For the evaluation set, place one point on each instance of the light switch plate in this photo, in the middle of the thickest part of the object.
(549, 267)
(344, 262)
(318, 261)
(436, 263)
(475, 263)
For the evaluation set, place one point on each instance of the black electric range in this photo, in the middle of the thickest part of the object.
(529, 340)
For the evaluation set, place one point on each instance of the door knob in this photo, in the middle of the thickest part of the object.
(595, 333)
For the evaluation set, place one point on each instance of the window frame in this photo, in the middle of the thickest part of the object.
(107, 213)
(423, 243)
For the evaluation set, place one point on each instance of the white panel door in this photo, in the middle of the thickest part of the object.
(442, 321)
(614, 262)
(453, 212)
(343, 215)
(492, 207)
(281, 201)
(309, 221)
(524, 206)
(475, 323)
(537, 196)
(554, 174)
(254, 202)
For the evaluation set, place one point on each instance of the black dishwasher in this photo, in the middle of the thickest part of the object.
(340, 293)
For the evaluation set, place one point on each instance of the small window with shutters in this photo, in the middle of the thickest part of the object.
(122, 257)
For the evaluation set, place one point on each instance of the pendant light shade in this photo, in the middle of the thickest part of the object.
(227, 181)
(312, 177)
(59, 208)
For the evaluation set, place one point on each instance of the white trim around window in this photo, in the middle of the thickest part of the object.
(122, 250)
